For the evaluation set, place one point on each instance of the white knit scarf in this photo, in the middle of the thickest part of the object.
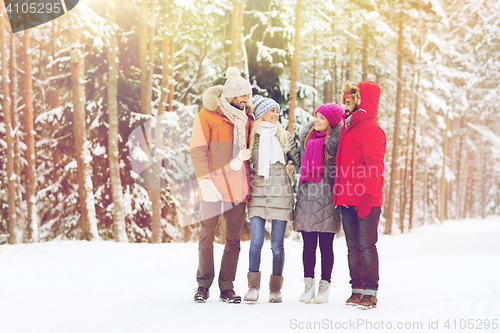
(270, 150)
(238, 118)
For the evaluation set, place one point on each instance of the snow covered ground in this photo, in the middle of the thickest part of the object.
(433, 276)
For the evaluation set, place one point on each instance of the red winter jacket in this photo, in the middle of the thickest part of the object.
(360, 154)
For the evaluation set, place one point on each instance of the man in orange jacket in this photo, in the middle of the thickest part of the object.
(358, 188)
(219, 151)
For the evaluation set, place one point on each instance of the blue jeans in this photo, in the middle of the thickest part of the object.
(278, 227)
(362, 256)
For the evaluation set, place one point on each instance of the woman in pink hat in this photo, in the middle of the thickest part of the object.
(315, 216)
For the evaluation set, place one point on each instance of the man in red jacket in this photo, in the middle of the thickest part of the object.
(358, 188)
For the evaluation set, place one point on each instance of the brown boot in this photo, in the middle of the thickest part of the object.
(275, 285)
(368, 302)
(354, 299)
(253, 287)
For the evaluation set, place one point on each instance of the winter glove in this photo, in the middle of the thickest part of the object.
(364, 206)
(237, 163)
(289, 168)
(208, 191)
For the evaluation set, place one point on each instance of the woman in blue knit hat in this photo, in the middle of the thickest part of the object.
(274, 157)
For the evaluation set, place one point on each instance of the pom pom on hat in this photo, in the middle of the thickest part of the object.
(236, 85)
(332, 112)
(232, 71)
(262, 105)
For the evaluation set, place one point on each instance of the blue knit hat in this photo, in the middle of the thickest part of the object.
(262, 105)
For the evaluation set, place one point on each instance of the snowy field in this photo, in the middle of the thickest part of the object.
(434, 279)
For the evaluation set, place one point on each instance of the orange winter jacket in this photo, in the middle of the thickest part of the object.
(212, 145)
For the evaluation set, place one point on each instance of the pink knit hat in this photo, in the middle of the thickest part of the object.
(332, 112)
(236, 85)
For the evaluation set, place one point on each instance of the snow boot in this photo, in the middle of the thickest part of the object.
(275, 284)
(368, 302)
(354, 299)
(308, 293)
(253, 287)
(323, 292)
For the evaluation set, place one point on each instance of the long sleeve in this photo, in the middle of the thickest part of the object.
(200, 141)
(293, 154)
(373, 144)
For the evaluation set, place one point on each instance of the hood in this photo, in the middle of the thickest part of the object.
(370, 94)
(211, 99)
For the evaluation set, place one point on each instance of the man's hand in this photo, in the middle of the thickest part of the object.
(364, 206)
(208, 191)
(289, 168)
(237, 163)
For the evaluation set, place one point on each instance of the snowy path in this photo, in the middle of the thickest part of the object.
(433, 274)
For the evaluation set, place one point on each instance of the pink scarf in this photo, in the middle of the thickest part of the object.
(313, 163)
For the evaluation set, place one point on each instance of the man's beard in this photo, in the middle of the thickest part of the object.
(237, 105)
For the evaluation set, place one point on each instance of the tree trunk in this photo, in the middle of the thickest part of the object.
(113, 133)
(485, 177)
(146, 63)
(88, 221)
(406, 173)
(365, 53)
(155, 193)
(352, 55)
(244, 55)
(327, 85)
(143, 58)
(469, 203)
(295, 68)
(31, 187)
(459, 181)
(15, 121)
(443, 178)
(11, 175)
(413, 154)
(449, 185)
(426, 170)
(151, 50)
(334, 80)
(55, 92)
(168, 51)
(464, 171)
(171, 60)
(341, 72)
(236, 33)
(395, 144)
